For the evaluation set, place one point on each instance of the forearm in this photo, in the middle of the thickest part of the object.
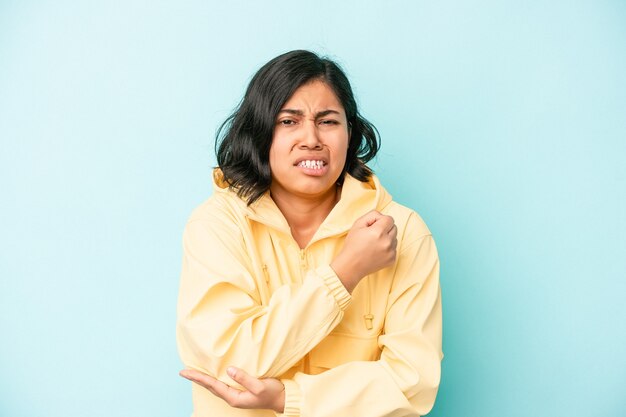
(366, 389)
(227, 327)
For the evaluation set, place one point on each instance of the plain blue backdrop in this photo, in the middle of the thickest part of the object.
(503, 124)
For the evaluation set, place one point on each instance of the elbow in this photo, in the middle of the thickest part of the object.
(422, 395)
(196, 351)
(424, 401)
(207, 352)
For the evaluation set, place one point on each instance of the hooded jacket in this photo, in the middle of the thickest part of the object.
(250, 297)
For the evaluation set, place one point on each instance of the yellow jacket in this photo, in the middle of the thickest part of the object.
(251, 298)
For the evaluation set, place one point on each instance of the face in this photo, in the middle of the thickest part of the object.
(310, 143)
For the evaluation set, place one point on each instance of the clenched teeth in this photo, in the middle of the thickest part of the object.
(311, 164)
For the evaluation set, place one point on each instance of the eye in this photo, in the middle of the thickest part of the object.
(287, 122)
(329, 122)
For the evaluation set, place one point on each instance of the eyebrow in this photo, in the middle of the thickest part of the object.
(301, 113)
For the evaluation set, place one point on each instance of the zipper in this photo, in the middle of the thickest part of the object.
(368, 317)
(303, 263)
(266, 274)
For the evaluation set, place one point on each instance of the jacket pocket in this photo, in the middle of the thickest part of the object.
(337, 349)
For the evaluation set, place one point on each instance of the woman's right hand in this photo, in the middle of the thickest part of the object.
(369, 246)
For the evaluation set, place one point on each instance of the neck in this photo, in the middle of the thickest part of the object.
(305, 215)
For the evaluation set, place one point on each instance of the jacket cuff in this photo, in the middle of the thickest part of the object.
(293, 397)
(342, 296)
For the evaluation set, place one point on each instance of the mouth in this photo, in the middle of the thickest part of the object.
(311, 163)
(312, 166)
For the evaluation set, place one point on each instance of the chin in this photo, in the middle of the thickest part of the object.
(314, 190)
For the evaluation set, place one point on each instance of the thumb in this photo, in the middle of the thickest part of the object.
(240, 376)
(368, 219)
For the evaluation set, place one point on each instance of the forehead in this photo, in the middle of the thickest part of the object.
(314, 95)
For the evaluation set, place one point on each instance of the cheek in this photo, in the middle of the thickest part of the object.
(340, 149)
(272, 158)
(274, 166)
(278, 156)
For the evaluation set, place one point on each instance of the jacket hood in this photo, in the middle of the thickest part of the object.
(357, 198)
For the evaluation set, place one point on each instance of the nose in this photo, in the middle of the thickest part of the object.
(310, 137)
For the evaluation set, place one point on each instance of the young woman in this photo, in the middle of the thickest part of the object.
(305, 289)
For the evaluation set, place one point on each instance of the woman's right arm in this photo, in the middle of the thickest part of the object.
(222, 321)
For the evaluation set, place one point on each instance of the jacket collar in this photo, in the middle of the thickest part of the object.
(357, 198)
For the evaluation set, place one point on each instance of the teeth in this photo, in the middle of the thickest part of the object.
(311, 164)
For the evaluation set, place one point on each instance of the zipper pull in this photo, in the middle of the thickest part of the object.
(302, 259)
(369, 321)
(266, 274)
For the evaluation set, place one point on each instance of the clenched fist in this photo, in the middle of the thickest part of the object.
(369, 246)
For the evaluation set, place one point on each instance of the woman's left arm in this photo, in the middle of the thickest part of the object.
(405, 380)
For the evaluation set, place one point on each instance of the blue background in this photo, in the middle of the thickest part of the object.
(503, 125)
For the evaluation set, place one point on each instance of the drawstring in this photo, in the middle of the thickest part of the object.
(368, 317)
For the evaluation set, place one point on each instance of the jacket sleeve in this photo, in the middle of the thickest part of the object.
(405, 380)
(222, 319)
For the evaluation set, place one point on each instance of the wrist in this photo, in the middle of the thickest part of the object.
(345, 272)
(293, 398)
(279, 404)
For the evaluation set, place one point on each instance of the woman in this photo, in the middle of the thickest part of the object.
(306, 290)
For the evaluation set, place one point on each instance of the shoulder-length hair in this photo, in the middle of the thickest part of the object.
(243, 141)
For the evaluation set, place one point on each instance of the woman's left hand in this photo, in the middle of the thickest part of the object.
(266, 393)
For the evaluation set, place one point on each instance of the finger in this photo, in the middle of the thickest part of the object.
(233, 396)
(393, 232)
(368, 219)
(392, 223)
(199, 378)
(384, 224)
(252, 384)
